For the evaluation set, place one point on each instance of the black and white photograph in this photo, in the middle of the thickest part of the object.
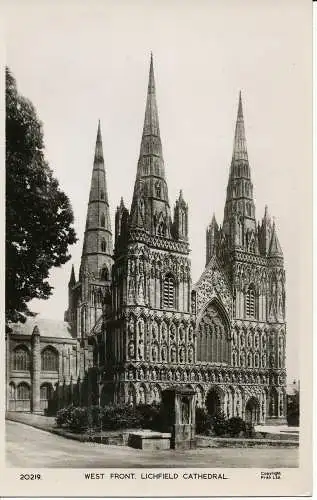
(158, 247)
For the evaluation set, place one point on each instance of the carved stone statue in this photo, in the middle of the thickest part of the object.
(154, 352)
(182, 355)
(141, 350)
(141, 395)
(190, 333)
(173, 354)
(131, 350)
(190, 355)
(172, 332)
(164, 331)
(164, 354)
(181, 333)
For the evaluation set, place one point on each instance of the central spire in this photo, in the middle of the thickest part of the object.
(150, 205)
(240, 143)
(151, 122)
(239, 215)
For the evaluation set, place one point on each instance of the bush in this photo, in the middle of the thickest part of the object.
(235, 426)
(116, 416)
(149, 416)
(203, 421)
(219, 424)
(78, 420)
(63, 416)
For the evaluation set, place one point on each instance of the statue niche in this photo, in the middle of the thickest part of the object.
(212, 336)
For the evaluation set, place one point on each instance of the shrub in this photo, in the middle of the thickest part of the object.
(203, 421)
(219, 424)
(78, 420)
(63, 416)
(235, 426)
(116, 416)
(149, 416)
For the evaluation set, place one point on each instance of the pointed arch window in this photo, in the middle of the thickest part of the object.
(102, 194)
(46, 391)
(103, 220)
(169, 292)
(49, 360)
(250, 302)
(21, 359)
(23, 391)
(103, 245)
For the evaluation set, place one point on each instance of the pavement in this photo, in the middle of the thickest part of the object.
(30, 447)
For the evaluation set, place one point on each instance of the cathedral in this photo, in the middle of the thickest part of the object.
(136, 324)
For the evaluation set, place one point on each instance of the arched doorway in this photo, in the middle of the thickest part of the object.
(252, 411)
(213, 402)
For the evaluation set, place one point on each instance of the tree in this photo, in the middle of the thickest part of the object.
(39, 217)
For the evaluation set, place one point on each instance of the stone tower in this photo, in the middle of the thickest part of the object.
(89, 295)
(241, 303)
(150, 335)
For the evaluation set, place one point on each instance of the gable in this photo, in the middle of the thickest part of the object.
(213, 283)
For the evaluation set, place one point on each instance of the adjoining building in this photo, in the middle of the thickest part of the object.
(138, 323)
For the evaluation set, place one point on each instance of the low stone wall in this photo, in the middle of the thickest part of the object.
(212, 442)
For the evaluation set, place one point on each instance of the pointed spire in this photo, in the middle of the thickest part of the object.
(275, 247)
(98, 149)
(97, 245)
(151, 121)
(240, 144)
(150, 209)
(213, 220)
(239, 208)
(72, 279)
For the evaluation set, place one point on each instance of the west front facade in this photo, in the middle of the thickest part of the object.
(138, 324)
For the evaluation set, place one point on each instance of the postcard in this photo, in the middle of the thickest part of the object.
(158, 248)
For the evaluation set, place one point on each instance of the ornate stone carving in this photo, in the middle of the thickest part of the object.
(213, 284)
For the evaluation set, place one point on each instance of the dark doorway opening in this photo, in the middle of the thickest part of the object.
(252, 411)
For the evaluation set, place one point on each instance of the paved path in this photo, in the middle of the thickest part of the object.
(30, 447)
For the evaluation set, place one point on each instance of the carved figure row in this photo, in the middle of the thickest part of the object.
(157, 352)
(204, 375)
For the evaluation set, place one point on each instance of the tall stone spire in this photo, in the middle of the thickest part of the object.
(97, 247)
(240, 143)
(239, 213)
(150, 210)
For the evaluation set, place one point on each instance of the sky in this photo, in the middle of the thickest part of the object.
(80, 61)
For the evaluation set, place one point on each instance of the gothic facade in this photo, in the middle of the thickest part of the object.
(224, 336)
(139, 323)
